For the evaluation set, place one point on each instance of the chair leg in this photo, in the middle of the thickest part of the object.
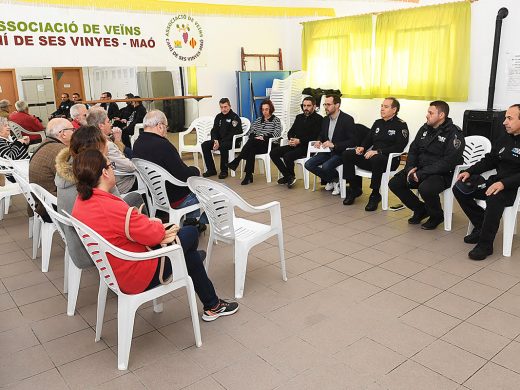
(72, 297)
(448, 209)
(384, 192)
(102, 300)
(342, 188)
(267, 163)
(66, 260)
(2, 208)
(193, 310)
(231, 157)
(241, 253)
(31, 226)
(48, 230)
(125, 329)
(157, 306)
(209, 250)
(282, 256)
(36, 236)
(509, 228)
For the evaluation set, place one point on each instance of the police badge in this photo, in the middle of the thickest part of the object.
(234, 123)
(377, 130)
(456, 143)
(405, 133)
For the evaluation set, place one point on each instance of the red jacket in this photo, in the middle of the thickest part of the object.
(28, 122)
(105, 213)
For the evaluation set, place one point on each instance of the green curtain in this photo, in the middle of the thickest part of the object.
(423, 53)
(336, 53)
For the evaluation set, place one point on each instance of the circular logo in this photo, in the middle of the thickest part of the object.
(184, 38)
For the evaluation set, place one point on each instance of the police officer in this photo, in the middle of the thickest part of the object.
(432, 157)
(387, 135)
(226, 125)
(306, 128)
(63, 110)
(499, 191)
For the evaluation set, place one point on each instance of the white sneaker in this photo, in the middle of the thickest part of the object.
(336, 190)
(329, 186)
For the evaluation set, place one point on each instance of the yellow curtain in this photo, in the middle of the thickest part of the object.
(423, 53)
(191, 77)
(336, 53)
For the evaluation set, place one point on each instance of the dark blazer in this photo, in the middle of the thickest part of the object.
(344, 132)
(112, 111)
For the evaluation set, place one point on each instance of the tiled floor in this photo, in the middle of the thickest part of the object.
(371, 303)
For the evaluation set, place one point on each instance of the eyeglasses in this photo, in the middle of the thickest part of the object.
(328, 104)
(111, 164)
(68, 128)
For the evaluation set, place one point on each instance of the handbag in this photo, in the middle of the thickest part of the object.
(162, 259)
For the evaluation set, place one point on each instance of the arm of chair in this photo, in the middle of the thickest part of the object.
(391, 156)
(271, 142)
(236, 137)
(458, 169)
(182, 134)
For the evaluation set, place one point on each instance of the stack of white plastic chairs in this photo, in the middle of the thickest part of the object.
(286, 96)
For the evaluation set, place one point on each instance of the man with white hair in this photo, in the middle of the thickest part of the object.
(98, 117)
(78, 113)
(29, 122)
(42, 166)
(152, 145)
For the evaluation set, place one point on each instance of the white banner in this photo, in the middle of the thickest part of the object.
(32, 36)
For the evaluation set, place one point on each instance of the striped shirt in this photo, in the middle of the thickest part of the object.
(269, 128)
(13, 150)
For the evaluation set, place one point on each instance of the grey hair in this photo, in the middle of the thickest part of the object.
(56, 125)
(74, 110)
(96, 116)
(21, 106)
(154, 118)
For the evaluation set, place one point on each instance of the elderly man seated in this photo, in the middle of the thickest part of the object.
(29, 122)
(152, 145)
(42, 166)
(78, 114)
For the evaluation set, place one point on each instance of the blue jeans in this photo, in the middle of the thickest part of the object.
(324, 165)
(190, 200)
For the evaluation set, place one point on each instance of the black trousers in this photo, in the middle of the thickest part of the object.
(224, 147)
(189, 237)
(376, 164)
(429, 189)
(488, 219)
(252, 147)
(284, 156)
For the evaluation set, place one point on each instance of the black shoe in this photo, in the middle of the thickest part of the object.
(480, 252)
(201, 227)
(418, 216)
(209, 173)
(432, 223)
(373, 202)
(202, 255)
(222, 175)
(283, 180)
(473, 237)
(233, 165)
(291, 182)
(190, 222)
(352, 194)
(223, 308)
(248, 179)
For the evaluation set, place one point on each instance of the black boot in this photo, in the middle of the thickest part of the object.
(418, 216)
(248, 179)
(480, 252)
(373, 202)
(473, 237)
(352, 194)
(233, 165)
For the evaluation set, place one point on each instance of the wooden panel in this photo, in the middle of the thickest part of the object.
(67, 80)
(8, 87)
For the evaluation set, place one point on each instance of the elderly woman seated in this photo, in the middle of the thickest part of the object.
(9, 149)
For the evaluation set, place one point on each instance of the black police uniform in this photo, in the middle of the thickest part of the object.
(390, 136)
(63, 110)
(306, 129)
(505, 158)
(435, 153)
(224, 128)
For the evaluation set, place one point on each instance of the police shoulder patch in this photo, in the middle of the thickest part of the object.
(457, 142)
(405, 133)
(234, 123)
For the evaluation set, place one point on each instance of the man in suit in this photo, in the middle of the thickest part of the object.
(432, 157)
(337, 134)
(111, 108)
(306, 128)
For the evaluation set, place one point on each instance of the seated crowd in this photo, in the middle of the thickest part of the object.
(86, 162)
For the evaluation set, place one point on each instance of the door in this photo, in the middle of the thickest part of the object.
(67, 80)
(8, 87)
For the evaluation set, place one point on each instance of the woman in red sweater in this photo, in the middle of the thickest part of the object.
(106, 213)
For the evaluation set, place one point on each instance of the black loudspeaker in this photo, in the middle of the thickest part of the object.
(485, 123)
(174, 111)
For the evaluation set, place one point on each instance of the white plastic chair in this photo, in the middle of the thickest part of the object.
(155, 178)
(19, 131)
(264, 157)
(72, 274)
(476, 148)
(219, 202)
(202, 127)
(98, 248)
(8, 189)
(42, 232)
(137, 132)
